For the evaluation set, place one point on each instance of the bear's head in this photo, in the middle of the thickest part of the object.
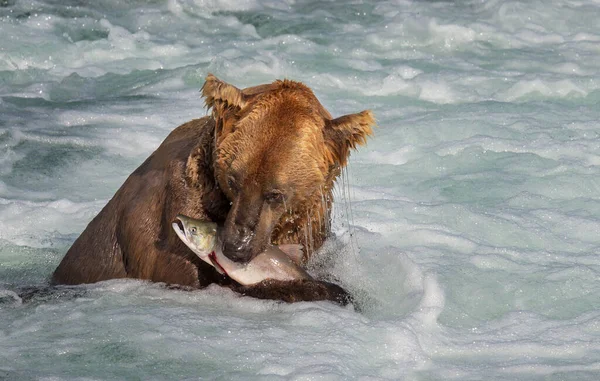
(277, 154)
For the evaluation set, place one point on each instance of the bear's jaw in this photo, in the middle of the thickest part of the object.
(309, 225)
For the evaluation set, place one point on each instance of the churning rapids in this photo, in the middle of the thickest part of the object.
(469, 227)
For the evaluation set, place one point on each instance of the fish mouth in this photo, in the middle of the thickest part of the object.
(180, 229)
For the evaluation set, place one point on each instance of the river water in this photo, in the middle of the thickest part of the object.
(468, 227)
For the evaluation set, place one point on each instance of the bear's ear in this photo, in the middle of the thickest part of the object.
(221, 94)
(345, 133)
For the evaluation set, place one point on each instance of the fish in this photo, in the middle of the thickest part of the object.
(273, 263)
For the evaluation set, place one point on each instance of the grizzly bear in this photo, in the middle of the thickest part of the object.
(263, 165)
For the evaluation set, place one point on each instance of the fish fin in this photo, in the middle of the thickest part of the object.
(294, 251)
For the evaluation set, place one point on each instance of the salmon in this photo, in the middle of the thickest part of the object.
(273, 263)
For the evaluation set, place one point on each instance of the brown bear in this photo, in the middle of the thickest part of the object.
(263, 165)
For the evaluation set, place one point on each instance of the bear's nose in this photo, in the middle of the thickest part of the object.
(244, 234)
(237, 246)
(236, 252)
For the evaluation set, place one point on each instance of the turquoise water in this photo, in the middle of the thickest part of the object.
(473, 234)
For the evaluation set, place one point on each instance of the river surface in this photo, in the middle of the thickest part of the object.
(468, 228)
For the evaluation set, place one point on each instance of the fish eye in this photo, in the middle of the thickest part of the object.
(193, 230)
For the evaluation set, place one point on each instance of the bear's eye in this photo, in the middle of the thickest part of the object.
(231, 183)
(275, 197)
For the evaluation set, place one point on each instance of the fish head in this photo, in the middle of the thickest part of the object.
(199, 236)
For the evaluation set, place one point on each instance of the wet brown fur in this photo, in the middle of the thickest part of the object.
(270, 136)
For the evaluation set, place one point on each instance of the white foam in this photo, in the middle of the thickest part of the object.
(436, 92)
(222, 5)
(30, 223)
(531, 88)
(451, 35)
(398, 157)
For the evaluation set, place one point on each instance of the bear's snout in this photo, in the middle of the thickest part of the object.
(237, 245)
